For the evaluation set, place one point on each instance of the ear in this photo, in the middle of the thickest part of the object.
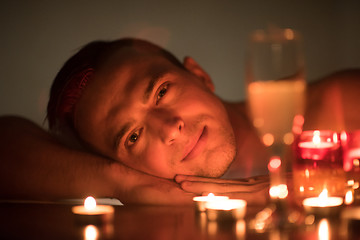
(192, 66)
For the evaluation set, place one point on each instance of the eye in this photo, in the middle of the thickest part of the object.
(133, 138)
(161, 92)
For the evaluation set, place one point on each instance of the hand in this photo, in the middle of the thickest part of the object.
(254, 190)
(158, 191)
(134, 187)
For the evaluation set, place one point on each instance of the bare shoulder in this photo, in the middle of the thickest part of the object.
(332, 102)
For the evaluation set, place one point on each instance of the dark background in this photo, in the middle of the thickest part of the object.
(38, 36)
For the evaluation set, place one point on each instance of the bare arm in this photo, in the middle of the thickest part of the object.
(34, 165)
(333, 102)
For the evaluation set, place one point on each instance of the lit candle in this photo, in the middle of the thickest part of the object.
(200, 201)
(227, 209)
(316, 148)
(323, 204)
(92, 213)
(318, 164)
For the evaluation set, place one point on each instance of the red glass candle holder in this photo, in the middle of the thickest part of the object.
(350, 142)
(318, 165)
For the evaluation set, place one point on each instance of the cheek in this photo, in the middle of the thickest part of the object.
(157, 160)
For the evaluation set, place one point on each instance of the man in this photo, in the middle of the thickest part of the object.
(141, 117)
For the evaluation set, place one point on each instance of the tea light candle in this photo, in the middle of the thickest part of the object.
(323, 204)
(200, 201)
(318, 164)
(316, 149)
(228, 209)
(92, 213)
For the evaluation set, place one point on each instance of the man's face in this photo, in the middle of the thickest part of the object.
(156, 117)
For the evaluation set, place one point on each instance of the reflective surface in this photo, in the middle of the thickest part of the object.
(56, 221)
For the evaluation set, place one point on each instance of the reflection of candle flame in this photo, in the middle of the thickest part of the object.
(90, 203)
(90, 232)
(212, 227)
(324, 233)
(349, 198)
(240, 229)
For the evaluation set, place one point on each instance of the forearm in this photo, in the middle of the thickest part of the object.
(332, 102)
(34, 165)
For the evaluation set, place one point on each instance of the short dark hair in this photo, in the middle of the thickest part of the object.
(70, 81)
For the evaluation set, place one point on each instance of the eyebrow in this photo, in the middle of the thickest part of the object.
(120, 135)
(152, 83)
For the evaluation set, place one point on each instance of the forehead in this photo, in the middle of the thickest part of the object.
(124, 70)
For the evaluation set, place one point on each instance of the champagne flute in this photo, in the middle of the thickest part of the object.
(276, 85)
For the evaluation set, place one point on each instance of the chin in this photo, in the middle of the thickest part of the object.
(216, 170)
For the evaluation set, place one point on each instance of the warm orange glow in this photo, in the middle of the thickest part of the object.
(90, 203)
(356, 163)
(335, 138)
(316, 137)
(212, 227)
(288, 138)
(323, 195)
(309, 220)
(343, 136)
(90, 232)
(240, 229)
(226, 204)
(349, 197)
(258, 122)
(289, 34)
(274, 164)
(323, 200)
(268, 139)
(299, 120)
(279, 191)
(324, 230)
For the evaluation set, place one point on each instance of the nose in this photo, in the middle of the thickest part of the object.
(167, 127)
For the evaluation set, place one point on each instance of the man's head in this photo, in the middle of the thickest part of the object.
(136, 103)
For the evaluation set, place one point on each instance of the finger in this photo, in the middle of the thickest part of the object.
(260, 178)
(252, 180)
(161, 192)
(201, 187)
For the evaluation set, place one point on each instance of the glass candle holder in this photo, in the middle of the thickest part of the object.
(318, 165)
(350, 142)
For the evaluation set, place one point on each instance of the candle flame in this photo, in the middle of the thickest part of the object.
(335, 138)
(349, 197)
(324, 194)
(90, 203)
(211, 195)
(316, 138)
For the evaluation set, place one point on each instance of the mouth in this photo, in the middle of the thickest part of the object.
(197, 146)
